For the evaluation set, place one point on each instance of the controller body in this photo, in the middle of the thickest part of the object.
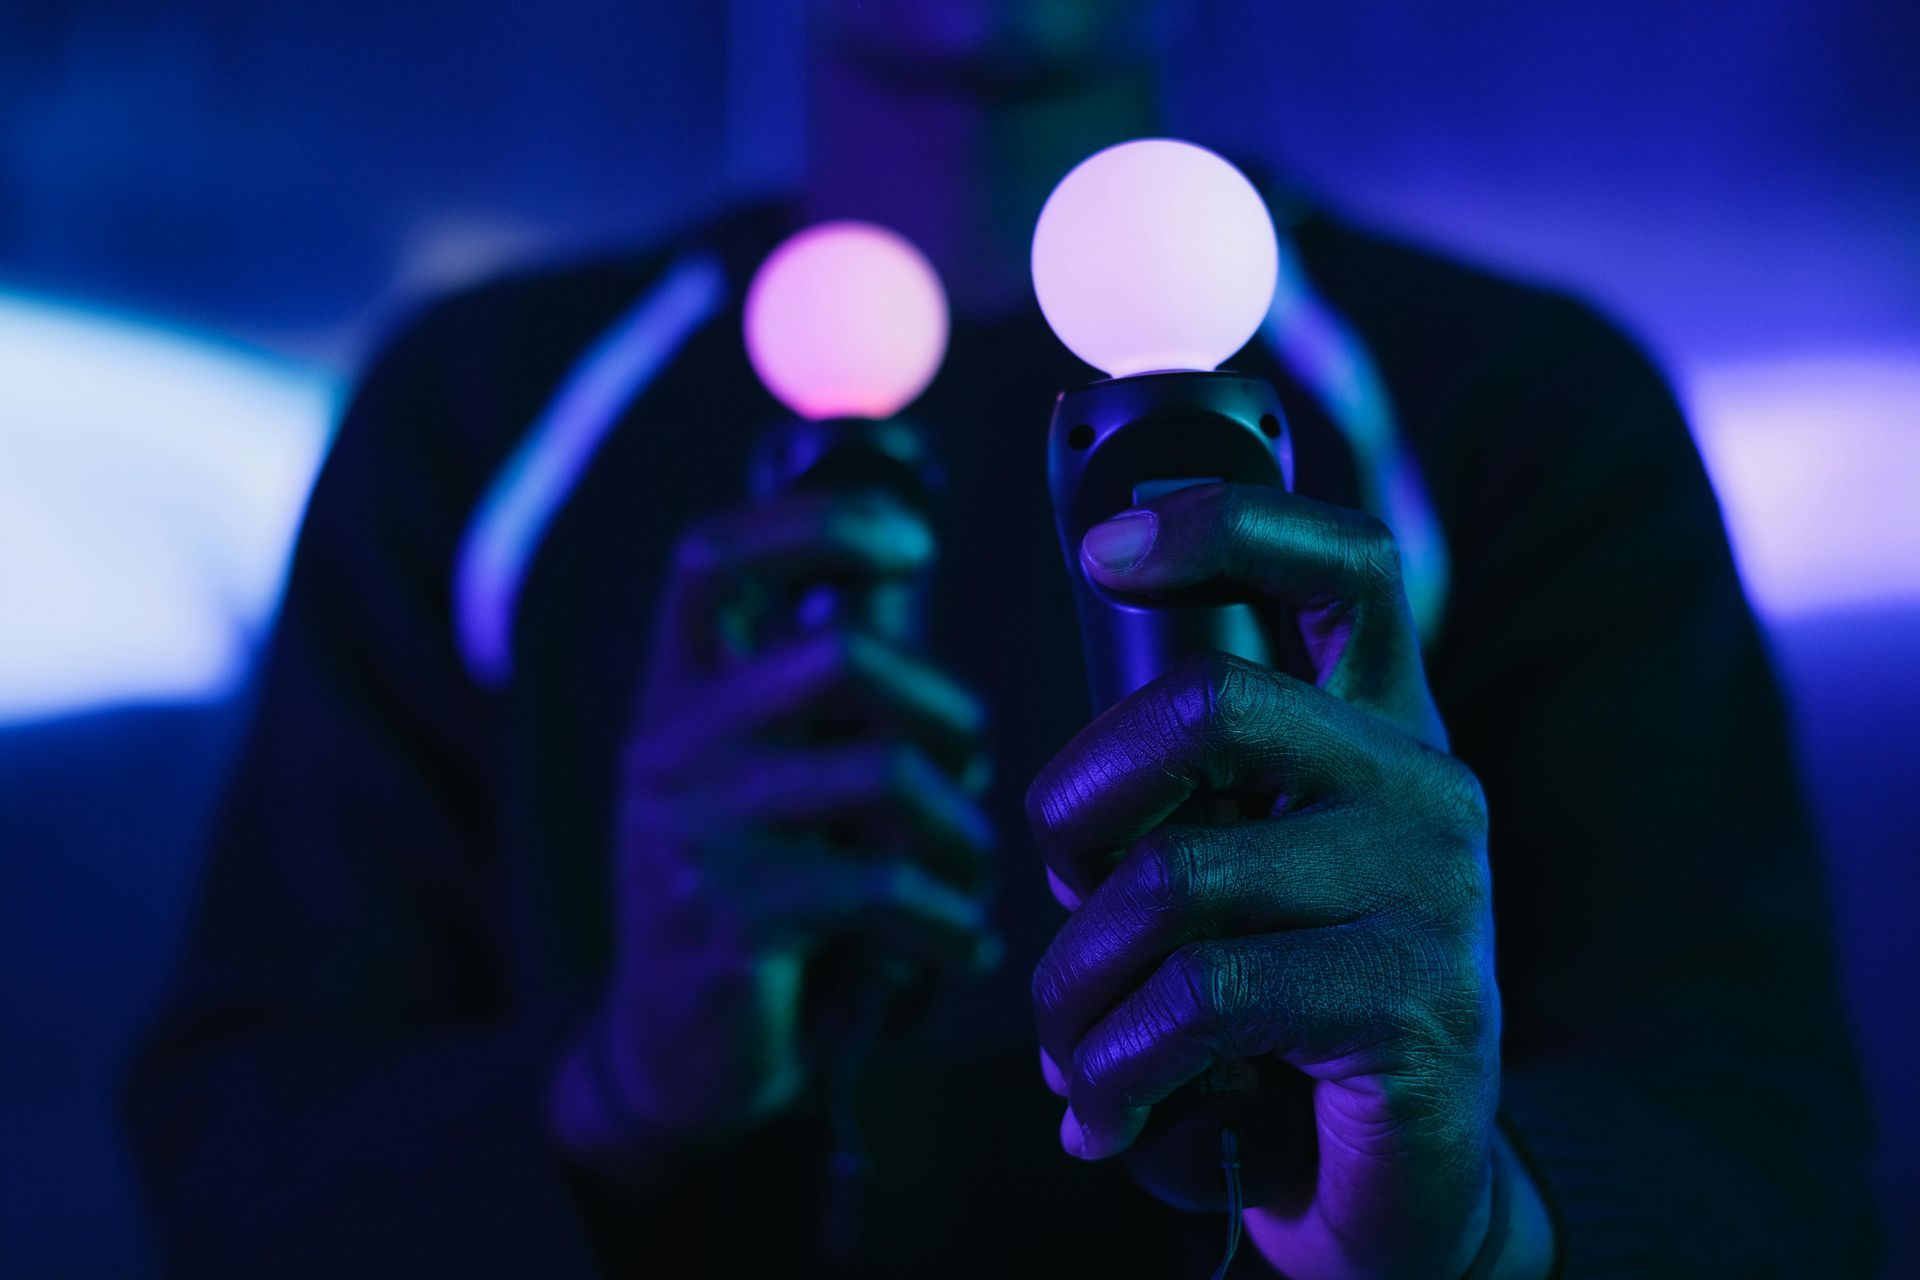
(855, 991)
(853, 455)
(1116, 444)
(853, 988)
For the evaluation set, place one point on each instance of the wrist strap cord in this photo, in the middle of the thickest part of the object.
(848, 1164)
(1485, 1259)
(1230, 1170)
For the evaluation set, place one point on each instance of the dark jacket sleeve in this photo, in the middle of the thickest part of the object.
(343, 1085)
(1676, 1067)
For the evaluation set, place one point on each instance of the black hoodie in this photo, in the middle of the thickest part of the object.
(407, 910)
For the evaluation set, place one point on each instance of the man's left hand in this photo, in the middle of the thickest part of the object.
(1346, 929)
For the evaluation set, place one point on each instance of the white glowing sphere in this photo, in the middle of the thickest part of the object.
(1154, 255)
(846, 320)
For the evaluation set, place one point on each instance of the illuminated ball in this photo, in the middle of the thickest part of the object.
(1154, 255)
(846, 320)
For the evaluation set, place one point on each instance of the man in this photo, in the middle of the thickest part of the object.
(521, 949)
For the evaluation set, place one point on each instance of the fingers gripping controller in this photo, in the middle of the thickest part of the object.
(1114, 445)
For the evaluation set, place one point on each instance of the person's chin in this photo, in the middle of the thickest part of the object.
(962, 50)
(979, 67)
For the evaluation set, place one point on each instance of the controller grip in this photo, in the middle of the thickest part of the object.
(1114, 445)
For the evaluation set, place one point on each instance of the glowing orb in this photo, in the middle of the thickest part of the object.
(1152, 255)
(846, 320)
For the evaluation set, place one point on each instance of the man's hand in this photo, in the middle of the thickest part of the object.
(774, 797)
(1346, 929)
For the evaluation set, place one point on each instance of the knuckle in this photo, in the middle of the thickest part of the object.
(1096, 1068)
(1044, 808)
(1451, 1000)
(1198, 988)
(1047, 990)
(1221, 508)
(1375, 551)
(1463, 888)
(1461, 799)
(1166, 875)
(1034, 803)
(1210, 697)
(1449, 881)
(1241, 520)
(1104, 1060)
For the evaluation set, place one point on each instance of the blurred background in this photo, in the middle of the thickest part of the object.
(211, 209)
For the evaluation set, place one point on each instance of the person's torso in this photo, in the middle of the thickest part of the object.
(961, 1128)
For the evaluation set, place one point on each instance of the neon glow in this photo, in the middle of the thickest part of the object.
(497, 549)
(151, 480)
(1815, 457)
(1331, 359)
(1154, 255)
(846, 320)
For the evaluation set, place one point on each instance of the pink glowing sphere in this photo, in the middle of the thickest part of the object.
(846, 320)
(1154, 255)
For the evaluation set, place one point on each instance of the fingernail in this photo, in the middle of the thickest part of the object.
(1051, 1073)
(1120, 543)
(1072, 1137)
(1061, 893)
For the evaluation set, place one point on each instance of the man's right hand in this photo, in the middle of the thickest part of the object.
(747, 838)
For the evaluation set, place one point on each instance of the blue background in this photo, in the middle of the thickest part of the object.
(275, 183)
